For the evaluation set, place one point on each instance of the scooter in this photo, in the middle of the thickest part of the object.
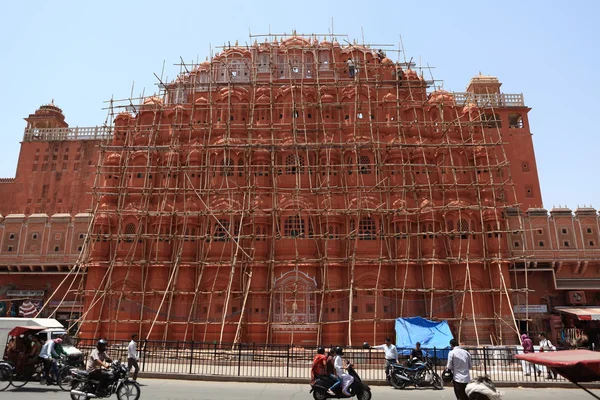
(357, 388)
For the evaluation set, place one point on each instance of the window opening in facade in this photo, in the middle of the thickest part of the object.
(367, 229)
(293, 226)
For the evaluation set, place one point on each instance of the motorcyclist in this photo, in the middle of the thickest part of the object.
(331, 372)
(319, 365)
(98, 365)
(417, 352)
(340, 370)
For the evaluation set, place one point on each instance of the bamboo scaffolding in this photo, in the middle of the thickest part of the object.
(308, 166)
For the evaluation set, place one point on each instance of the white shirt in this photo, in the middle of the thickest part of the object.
(339, 366)
(547, 345)
(350, 62)
(47, 349)
(459, 362)
(132, 351)
(391, 353)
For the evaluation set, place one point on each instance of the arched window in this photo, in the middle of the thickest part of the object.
(308, 65)
(295, 65)
(450, 225)
(257, 235)
(294, 164)
(237, 71)
(129, 232)
(428, 231)
(367, 229)
(463, 228)
(364, 165)
(293, 227)
(264, 63)
(241, 167)
(324, 61)
(222, 231)
(227, 167)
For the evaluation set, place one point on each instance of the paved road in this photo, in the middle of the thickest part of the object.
(154, 389)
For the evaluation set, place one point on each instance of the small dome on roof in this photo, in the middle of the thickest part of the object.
(50, 107)
(153, 101)
(470, 107)
(386, 61)
(410, 75)
(112, 159)
(123, 115)
(442, 97)
(295, 41)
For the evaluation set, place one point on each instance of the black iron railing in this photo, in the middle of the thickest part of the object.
(290, 361)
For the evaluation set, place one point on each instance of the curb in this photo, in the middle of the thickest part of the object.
(260, 379)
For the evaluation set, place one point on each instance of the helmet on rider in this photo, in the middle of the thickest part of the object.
(320, 350)
(101, 345)
(339, 351)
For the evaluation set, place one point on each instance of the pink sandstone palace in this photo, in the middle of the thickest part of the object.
(296, 191)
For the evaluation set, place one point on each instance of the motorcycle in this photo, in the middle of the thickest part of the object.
(83, 388)
(482, 388)
(415, 372)
(357, 388)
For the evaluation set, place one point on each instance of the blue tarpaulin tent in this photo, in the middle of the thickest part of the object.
(430, 334)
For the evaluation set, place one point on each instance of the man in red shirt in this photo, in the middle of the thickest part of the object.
(319, 365)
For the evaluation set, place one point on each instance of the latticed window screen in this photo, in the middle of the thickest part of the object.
(293, 226)
(364, 164)
(241, 167)
(221, 231)
(294, 164)
(227, 167)
(129, 232)
(463, 228)
(367, 229)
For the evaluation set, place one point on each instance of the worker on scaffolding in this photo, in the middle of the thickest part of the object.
(351, 67)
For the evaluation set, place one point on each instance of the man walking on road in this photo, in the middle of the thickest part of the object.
(459, 362)
(133, 357)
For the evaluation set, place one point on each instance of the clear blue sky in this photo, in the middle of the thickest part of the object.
(82, 53)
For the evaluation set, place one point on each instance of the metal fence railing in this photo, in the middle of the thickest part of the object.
(290, 361)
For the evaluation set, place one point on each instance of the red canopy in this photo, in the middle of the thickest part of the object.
(19, 330)
(575, 365)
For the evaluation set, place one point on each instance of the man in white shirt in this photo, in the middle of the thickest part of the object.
(133, 357)
(546, 345)
(459, 362)
(391, 355)
(340, 371)
(351, 70)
